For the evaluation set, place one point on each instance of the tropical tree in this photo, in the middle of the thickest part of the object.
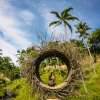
(8, 69)
(83, 30)
(63, 18)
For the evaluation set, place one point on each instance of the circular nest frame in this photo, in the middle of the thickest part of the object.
(69, 57)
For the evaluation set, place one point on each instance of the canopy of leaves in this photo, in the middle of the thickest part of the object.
(95, 36)
(94, 39)
(8, 69)
(82, 29)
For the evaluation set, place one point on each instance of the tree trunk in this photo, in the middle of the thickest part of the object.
(65, 30)
(91, 61)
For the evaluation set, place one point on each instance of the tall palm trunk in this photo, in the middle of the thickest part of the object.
(91, 61)
(65, 31)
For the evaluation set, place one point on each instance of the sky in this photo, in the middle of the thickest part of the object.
(21, 20)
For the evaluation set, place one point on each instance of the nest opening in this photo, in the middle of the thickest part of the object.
(52, 53)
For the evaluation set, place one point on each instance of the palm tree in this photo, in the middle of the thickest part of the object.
(63, 18)
(83, 29)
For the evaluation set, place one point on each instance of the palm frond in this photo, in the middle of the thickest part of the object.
(56, 14)
(68, 9)
(88, 28)
(72, 18)
(66, 12)
(69, 26)
(55, 23)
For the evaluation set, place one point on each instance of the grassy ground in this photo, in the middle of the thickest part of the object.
(92, 81)
(22, 90)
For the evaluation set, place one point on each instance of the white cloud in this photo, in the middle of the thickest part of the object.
(8, 50)
(27, 16)
(11, 28)
(9, 25)
(5, 5)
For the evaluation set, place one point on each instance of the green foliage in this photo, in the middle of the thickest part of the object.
(53, 64)
(60, 76)
(8, 72)
(92, 82)
(82, 28)
(94, 39)
(2, 87)
(95, 34)
(22, 90)
(8, 68)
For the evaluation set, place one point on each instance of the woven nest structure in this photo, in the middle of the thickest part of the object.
(69, 56)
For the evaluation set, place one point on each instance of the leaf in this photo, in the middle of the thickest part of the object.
(69, 26)
(72, 18)
(65, 12)
(68, 9)
(56, 14)
(55, 23)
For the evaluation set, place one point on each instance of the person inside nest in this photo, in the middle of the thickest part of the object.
(52, 82)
